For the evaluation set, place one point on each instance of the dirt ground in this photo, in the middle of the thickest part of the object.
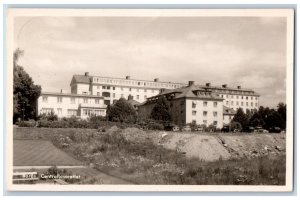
(211, 147)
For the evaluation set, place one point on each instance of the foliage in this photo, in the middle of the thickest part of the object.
(49, 116)
(241, 118)
(25, 92)
(122, 111)
(161, 110)
(235, 125)
(30, 123)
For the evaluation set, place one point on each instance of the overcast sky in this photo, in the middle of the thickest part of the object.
(246, 51)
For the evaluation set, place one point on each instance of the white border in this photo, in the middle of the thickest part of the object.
(288, 13)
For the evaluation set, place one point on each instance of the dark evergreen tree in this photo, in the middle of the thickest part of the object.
(122, 111)
(256, 120)
(161, 110)
(25, 92)
(241, 118)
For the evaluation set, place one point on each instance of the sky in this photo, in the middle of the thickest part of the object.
(246, 51)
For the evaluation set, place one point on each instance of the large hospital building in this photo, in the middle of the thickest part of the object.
(92, 94)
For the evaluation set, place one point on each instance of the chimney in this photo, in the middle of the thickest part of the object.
(224, 86)
(86, 74)
(130, 97)
(156, 80)
(127, 77)
(239, 87)
(191, 83)
(207, 84)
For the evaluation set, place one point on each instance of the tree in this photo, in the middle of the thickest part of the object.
(256, 120)
(122, 111)
(241, 118)
(281, 109)
(25, 91)
(274, 120)
(161, 110)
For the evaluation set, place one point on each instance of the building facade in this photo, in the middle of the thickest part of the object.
(68, 105)
(113, 89)
(189, 104)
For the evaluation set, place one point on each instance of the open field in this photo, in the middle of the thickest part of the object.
(155, 157)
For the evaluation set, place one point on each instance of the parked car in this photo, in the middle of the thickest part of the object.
(275, 130)
(225, 129)
(175, 128)
(186, 128)
(261, 130)
(237, 130)
(199, 128)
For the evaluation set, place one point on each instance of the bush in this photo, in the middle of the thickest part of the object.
(155, 126)
(30, 123)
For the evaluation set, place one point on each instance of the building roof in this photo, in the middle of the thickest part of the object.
(228, 111)
(238, 90)
(133, 102)
(81, 79)
(192, 91)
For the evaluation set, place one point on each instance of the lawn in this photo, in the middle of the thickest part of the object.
(142, 161)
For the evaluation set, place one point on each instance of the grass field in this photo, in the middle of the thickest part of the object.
(142, 161)
(40, 153)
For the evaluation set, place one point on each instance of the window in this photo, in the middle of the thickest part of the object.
(96, 101)
(114, 95)
(114, 88)
(152, 91)
(251, 98)
(215, 114)
(215, 123)
(255, 98)
(227, 103)
(232, 103)
(215, 104)
(194, 112)
(59, 111)
(137, 97)
(59, 99)
(145, 97)
(204, 121)
(237, 97)
(247, 98)
(129, 89)
(98, 87)
(256, 104)
(222, 95)
(72, 112)
(242, 97)
(237, 103)
(193, 105)
(45, 99)
(204, 113)
(137, 89)
(47, 110)
(145, 90)
(205, 104)
(242, 103)
(194, 121)
(232, 96)
(103, 87)
(251, 104)
(108, 87)
(72, 100)
(226, 96)
(121, 88)
(98, 93)
(246, 103)
(85, 100)
(122, 95)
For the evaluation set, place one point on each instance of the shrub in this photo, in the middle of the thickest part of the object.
(30, 123)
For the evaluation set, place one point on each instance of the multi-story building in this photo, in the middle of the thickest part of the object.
(67, 105)
(236, 97)
(189, 104)
(113, 89)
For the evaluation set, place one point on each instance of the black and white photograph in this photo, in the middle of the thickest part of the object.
(150, 100)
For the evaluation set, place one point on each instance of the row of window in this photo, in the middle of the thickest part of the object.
(73, 112)
(242, 104)
(137, 83)
(122, 89)
(215, 123)
(194, 105)
(72, 99)
(89, 112)
(237, 97)
(233, 91)
(215, 113)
